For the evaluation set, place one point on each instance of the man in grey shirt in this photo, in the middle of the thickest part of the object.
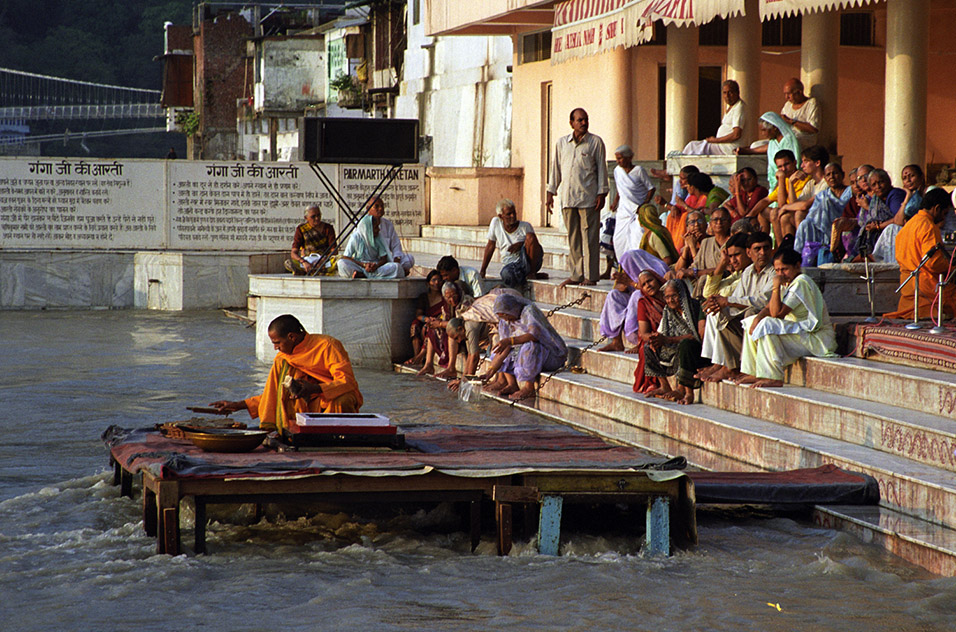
(579, 169)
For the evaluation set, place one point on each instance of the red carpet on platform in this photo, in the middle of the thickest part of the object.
(890, 341)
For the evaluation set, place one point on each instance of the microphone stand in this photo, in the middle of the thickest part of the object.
(869, 289)
(939, 329)
(915, 275)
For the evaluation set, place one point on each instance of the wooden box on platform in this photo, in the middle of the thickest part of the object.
(371, 318)
(844, 287)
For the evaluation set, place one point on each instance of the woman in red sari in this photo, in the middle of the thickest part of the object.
(429, 305)
(649, 308)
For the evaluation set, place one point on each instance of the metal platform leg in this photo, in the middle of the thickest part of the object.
(200, 532)
(549, 525)
(474, 511)
(503, 523)
(167, 509)
(658, 538)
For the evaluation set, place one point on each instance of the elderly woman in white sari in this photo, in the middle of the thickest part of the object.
(795, 324)
(827, 207)
(634, 188)
(367, 255)
(781, 136)
(527, 345)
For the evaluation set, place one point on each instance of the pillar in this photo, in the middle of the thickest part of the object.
(904, 125)
(680, 90)
(818, 69)
(744, 34)
(619, 93)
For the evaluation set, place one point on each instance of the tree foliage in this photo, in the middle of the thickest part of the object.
(106, 41)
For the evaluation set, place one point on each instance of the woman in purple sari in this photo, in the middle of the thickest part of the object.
(527, 345)
(615, 309)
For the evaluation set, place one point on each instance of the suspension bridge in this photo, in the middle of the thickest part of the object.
(26, 97)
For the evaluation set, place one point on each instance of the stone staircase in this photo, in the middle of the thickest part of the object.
(892, 422)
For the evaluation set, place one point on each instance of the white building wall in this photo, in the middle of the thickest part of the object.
(460, 90)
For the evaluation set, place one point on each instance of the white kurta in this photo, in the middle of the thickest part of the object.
(779, 342)
(632, 190)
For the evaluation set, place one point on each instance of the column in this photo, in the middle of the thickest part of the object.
(619, 93)
(818, 68)
(681, 88)
(743, 62)
(904, 125)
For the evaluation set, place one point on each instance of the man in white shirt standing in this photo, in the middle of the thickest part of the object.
(579, 168)
(389, 236)
(730, 134)
(801, 112)
(521, 253)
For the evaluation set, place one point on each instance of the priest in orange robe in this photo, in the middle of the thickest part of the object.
(310, 373)
(920, 235)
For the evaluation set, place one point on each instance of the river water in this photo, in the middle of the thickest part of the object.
(73, 555)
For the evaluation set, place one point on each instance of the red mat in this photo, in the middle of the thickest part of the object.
(890, 341)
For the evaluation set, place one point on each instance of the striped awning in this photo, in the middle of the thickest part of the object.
(587, 27)
(777, 8)
(689, 12)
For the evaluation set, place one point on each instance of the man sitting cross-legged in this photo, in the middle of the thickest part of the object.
(723, 332)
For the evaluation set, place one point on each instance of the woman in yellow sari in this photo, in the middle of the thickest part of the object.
(657, 240)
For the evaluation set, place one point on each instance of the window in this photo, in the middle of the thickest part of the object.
(416, 12)
(714, 33)
(535, 47)
(782, 31)
(857, 29)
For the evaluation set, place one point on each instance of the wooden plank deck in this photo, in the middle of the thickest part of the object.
(509, 482)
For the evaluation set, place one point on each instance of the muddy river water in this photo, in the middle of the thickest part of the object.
(73, 555)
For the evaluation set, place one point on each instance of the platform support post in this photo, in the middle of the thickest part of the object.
(167, 509)
(549, 525)
(503, 524)
(658, 538)
(150, 515)
(474, 514)
(199, 545)
(126, 483)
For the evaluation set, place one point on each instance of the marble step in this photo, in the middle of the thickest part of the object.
(913, 488)
(470, 251)
(549, 238)
(918, 541)
(914, 435)
(922, 390)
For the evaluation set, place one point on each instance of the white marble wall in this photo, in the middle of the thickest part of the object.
(68, 279)
(371, 318)
(197, 280)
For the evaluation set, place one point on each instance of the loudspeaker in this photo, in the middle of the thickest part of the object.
(358, 140)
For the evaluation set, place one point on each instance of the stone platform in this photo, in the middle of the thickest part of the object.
(371, 318)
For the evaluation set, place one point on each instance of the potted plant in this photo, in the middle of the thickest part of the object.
(349, 92)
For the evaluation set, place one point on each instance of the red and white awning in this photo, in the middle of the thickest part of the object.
(690, 12)
(587, 27)
(777, 8)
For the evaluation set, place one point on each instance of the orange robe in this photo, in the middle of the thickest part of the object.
(677, 226)
(918, 235)
(319, 358)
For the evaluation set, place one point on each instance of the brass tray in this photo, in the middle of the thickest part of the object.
(225, 439)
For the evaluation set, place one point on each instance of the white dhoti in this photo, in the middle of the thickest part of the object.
(391, 270)
(722, 340)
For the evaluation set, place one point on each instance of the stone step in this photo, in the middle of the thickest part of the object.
(922, 390)
(913, 488)
(549, 238)
(919, 436)
(469, 251)
(929, 545)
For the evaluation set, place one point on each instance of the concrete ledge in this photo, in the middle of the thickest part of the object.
(178, 280)
(371, 318)
(60, 279)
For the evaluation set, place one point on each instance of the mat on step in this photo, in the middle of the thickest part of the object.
(824, 485)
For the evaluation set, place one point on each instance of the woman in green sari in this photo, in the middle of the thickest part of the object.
(657, 240)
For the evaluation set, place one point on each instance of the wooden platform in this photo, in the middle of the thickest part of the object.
(528, 466)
